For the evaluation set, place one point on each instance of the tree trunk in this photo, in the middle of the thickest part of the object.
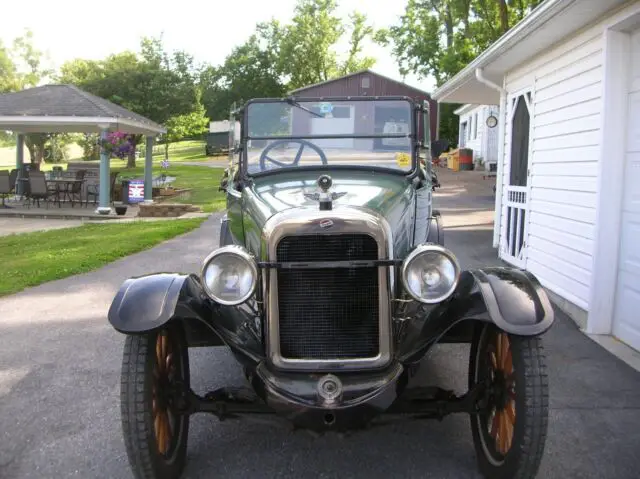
(504, 16)
(449, 25)
(131, 157)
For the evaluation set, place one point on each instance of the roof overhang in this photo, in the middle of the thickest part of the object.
(550, 22)
(76, 124)
(466, 108)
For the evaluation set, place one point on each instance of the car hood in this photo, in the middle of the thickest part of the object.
(389, 195)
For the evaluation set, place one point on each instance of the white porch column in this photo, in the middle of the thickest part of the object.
(502, 119)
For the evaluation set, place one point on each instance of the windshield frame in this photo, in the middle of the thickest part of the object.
(415, 142)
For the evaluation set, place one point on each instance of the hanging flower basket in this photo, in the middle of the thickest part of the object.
(117, 145)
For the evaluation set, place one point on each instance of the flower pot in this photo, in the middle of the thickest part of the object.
(121, 210)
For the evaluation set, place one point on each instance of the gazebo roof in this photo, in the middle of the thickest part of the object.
(66, 108)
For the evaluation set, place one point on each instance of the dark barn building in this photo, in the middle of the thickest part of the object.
(369, 83)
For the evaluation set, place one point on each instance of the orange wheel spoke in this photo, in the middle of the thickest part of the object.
(169, 362)
(503, 432)
(494, 425)
(156, 426)
(494, 361)
(167, 435)
(164, 347)
(159, 354)
(506, 354)
(508, 366)
(511, 412)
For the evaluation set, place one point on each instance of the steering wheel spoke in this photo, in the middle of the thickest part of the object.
(264, 156)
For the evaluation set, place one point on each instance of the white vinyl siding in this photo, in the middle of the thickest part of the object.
(566, 83)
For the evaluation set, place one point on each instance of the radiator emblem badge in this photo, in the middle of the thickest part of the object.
(327, 223)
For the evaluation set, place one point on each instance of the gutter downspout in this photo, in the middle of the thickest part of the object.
(502, 118)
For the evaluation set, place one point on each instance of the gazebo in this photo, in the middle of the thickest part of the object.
(68, 109)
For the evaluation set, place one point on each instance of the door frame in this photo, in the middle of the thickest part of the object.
(511, 103)
(611, 167)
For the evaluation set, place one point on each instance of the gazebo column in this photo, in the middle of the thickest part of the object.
(148, 170)
(105, 183)
(19, 161)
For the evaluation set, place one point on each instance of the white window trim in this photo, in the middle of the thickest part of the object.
(613, 130)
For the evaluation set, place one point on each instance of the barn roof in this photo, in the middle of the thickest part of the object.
(359, 72)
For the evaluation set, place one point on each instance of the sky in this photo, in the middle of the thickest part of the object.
(67, 29)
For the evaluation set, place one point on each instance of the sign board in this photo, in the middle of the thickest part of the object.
(326, 108)
(136, 191)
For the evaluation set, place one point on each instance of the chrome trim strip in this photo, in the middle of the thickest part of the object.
(346, 219)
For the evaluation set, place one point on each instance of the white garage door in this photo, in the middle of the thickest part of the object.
(343, 123)
(626, 324)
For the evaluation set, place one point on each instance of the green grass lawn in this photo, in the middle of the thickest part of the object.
(31, 259)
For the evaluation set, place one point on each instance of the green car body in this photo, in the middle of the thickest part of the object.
(331, 283)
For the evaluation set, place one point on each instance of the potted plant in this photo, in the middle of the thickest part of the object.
(121, 208)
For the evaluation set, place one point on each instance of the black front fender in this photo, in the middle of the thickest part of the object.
(512, 299)
(148, 302)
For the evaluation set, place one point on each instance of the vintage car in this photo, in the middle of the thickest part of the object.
(330, 284)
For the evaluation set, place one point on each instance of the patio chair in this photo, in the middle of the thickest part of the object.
(13, 176)
(5, 186)
(94, 189)
(38, 189)
(75, 191)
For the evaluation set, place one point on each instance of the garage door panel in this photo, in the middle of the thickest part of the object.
(631, 197)
(633, 130)
(635, 65)
(630, 244)
(627, 326)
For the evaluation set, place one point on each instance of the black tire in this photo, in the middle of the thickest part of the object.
(139, 423)
(524, 401)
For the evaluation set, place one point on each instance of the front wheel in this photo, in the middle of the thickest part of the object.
(154, 366)
(510, 429)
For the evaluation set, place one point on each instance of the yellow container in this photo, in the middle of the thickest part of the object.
(454, 160)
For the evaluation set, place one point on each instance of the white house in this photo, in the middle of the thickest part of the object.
(567, 81)
(476, 134)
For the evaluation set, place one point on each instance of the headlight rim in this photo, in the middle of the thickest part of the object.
(430, 247)
(240, 252)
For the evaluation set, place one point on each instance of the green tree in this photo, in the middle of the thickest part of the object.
(152, 83)
(185, 126)
(438, 38)
(278, 58)
(23, 66)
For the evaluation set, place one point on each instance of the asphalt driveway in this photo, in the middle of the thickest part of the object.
(59, 386)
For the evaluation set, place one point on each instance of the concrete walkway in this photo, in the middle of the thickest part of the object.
(59, 386)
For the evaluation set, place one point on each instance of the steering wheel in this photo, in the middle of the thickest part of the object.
(264, 156)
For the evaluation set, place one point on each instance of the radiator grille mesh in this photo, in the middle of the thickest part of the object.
(328, 313)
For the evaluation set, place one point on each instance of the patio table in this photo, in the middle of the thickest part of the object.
(68, 183)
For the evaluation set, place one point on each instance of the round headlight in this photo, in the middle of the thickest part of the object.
(430, 273)
(229, 275)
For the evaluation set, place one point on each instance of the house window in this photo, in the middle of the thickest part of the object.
(463, 134)
(475, 126)
(365, 82)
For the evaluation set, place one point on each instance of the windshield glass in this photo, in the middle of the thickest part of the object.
(299, 133)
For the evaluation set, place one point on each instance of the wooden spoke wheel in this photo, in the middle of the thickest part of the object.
(154, 367)
(509, 430)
